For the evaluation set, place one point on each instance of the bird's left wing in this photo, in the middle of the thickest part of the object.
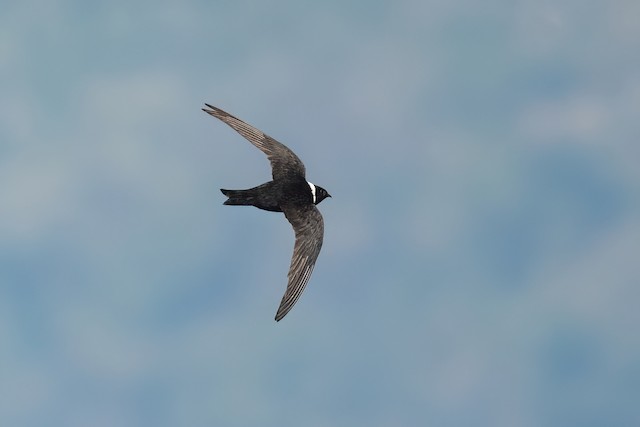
(283, 161)
(309, 230)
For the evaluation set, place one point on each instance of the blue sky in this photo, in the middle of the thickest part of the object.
(480, 258)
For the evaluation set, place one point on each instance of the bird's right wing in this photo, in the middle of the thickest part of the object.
(309, 229)
(283, 161)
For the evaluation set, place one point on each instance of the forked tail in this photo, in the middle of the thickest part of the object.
(238, 197)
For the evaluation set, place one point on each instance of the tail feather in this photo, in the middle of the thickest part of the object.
(237, 197)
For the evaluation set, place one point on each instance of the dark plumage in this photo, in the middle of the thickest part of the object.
(289, 192)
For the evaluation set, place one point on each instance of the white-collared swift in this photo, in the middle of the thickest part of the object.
(289, 192)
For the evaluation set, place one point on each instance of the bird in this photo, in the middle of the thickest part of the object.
(288, 192)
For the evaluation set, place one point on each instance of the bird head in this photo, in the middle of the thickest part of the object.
(321, 194)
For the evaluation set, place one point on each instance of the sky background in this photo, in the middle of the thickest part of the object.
(481, 256)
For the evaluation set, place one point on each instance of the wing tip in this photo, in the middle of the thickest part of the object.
(214, 111)
(210, 109)
(282, 311)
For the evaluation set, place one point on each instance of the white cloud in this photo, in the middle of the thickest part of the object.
(583, 120)
(118, 103)
(37, 195)
(597, 285)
